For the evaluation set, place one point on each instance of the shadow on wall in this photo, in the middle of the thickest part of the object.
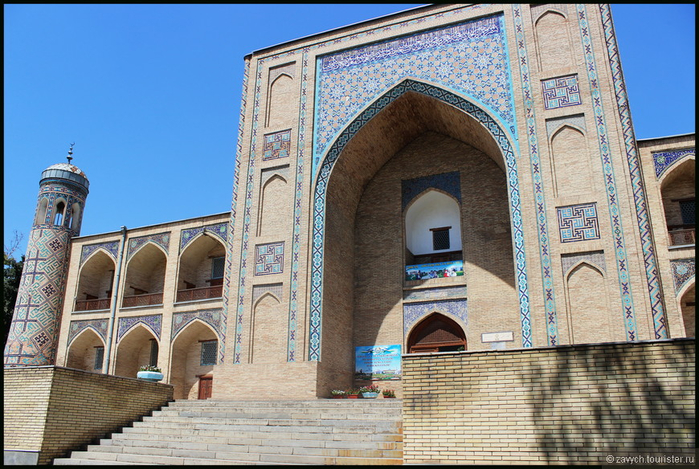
(601, 403)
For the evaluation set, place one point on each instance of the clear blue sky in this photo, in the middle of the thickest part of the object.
(150, 94)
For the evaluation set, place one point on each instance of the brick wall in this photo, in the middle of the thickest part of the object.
(568, 405)
(51, 410)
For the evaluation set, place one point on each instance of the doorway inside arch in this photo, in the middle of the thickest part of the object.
(436, 333)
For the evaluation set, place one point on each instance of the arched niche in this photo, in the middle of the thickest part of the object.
(186, 366)
(274, 207)
(553, 41)
(95, 282)
(84, 351)
(436, 333)
(200, 273)
(134, 350)
(145, 277)
(678, 188)
(687, 308)
(418, 121)
(270, 325)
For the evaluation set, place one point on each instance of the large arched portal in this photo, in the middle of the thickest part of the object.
(419, 137)
(436, 333)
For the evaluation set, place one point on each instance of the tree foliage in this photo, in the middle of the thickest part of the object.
(12, 276)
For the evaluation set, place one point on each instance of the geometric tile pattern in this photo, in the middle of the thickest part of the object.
(413, 312)
(561, 92)
(276, 289)
(162, 240)
(499, 135)
(664, 159)
(111, 248)
(219, 230)
(277, 145)
(434, 294)
(33, 334)
(578, 222)
(448, 182)
(349, 80)
(595, 258)
(298, 211)
(228, 304)
(153, 322)
(682, 272)
(100, 326)
(554, 124)
(538, 186)
(269, 258)
(646, 234)
(610, 185)
(212, 317)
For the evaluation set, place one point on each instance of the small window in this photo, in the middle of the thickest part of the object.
(58, 213)
(99, 358)
(209, 349)
(217, 267)
(688, 213)
(440, 238)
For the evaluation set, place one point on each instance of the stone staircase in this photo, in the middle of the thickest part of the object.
(322, 431)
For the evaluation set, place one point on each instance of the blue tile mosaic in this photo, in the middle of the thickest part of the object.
(662, 160)
(578, 223)
(561, 92)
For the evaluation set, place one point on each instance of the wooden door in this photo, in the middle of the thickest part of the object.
(205, 386)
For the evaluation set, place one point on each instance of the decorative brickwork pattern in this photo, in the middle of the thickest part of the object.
(559, 405)
(662, 160)
(276, 289)
(561, 92)
(162, 240)
(111, 248)
(447, 182)
(269, 258)
(277, 145)
(153, 322)
(219, 230)
(212, 317)
(414, 312)
(615, 218)
(350, 80)
(683, 271)
(578, 223)
(654, 286)
(535, 164)
(100, 326)
(595, 258)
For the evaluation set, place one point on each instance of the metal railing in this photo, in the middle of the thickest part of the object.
(203, 293)
(143, 300)
(90, 305)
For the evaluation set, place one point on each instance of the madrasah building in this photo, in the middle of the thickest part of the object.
(451, 178)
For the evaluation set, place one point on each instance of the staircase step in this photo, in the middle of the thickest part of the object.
(323, 431)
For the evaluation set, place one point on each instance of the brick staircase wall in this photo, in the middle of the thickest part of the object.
(579, 404)
(49, 410)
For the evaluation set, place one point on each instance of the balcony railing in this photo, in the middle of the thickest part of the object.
(143, 300)
(203, 293)
(681, 236)
(90, 305)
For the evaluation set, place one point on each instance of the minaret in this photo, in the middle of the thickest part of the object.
(35, 324)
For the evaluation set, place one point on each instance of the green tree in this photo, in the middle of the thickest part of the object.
(12, 276)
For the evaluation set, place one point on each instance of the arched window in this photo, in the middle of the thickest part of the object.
(433, 229)
(41, 212)
(59, 213)
(436, 333)
(75, 222)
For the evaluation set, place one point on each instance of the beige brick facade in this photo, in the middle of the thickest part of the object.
(513, 113)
